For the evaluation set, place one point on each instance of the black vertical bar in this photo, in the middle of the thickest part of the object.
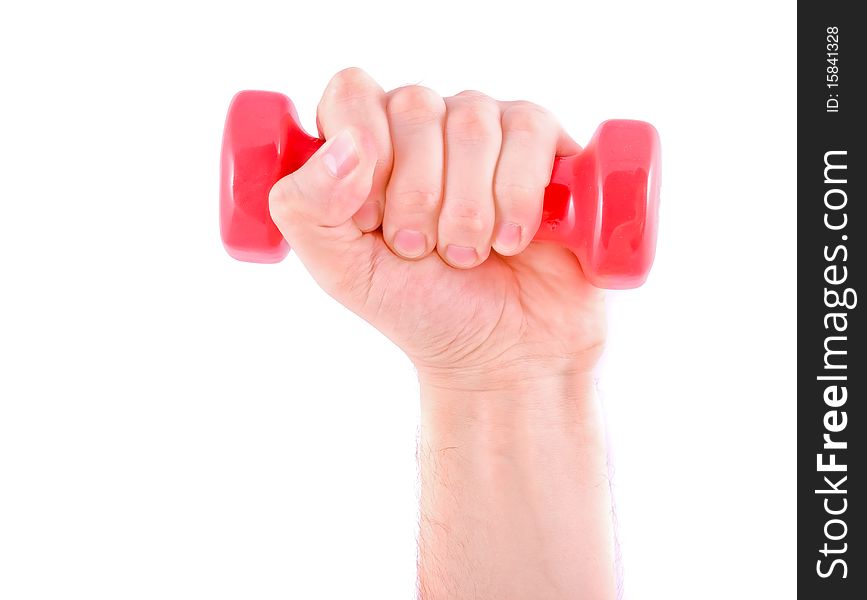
(832, 366)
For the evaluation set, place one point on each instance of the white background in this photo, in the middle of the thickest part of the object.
(174, 424)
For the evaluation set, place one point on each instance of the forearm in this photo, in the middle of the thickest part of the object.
(515, 498)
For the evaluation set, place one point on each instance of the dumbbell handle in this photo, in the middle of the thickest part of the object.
(602, 202)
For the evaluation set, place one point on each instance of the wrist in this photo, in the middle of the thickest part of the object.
(515, 500)
(513, 376)
(519, 409)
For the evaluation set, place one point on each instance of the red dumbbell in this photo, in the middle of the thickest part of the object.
(602, 203)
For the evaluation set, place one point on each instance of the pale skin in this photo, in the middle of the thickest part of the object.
(418, 215)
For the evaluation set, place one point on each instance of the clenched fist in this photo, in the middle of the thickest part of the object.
(418, 215)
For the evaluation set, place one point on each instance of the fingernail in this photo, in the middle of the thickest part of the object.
(461, 256)
(341, 157)
(508, 237)
(367, 217)
(409, 243)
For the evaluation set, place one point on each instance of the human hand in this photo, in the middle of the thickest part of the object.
(418, 215)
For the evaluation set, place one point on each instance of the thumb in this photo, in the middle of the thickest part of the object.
(313, 208)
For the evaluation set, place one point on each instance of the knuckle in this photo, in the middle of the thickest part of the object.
(279, 200)
(510, 193)
(415, 105)
(417, 200)
(383, 162)
(350, 84)
(526, 117)
(472, 95)
(472, 123)
(468, 218)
